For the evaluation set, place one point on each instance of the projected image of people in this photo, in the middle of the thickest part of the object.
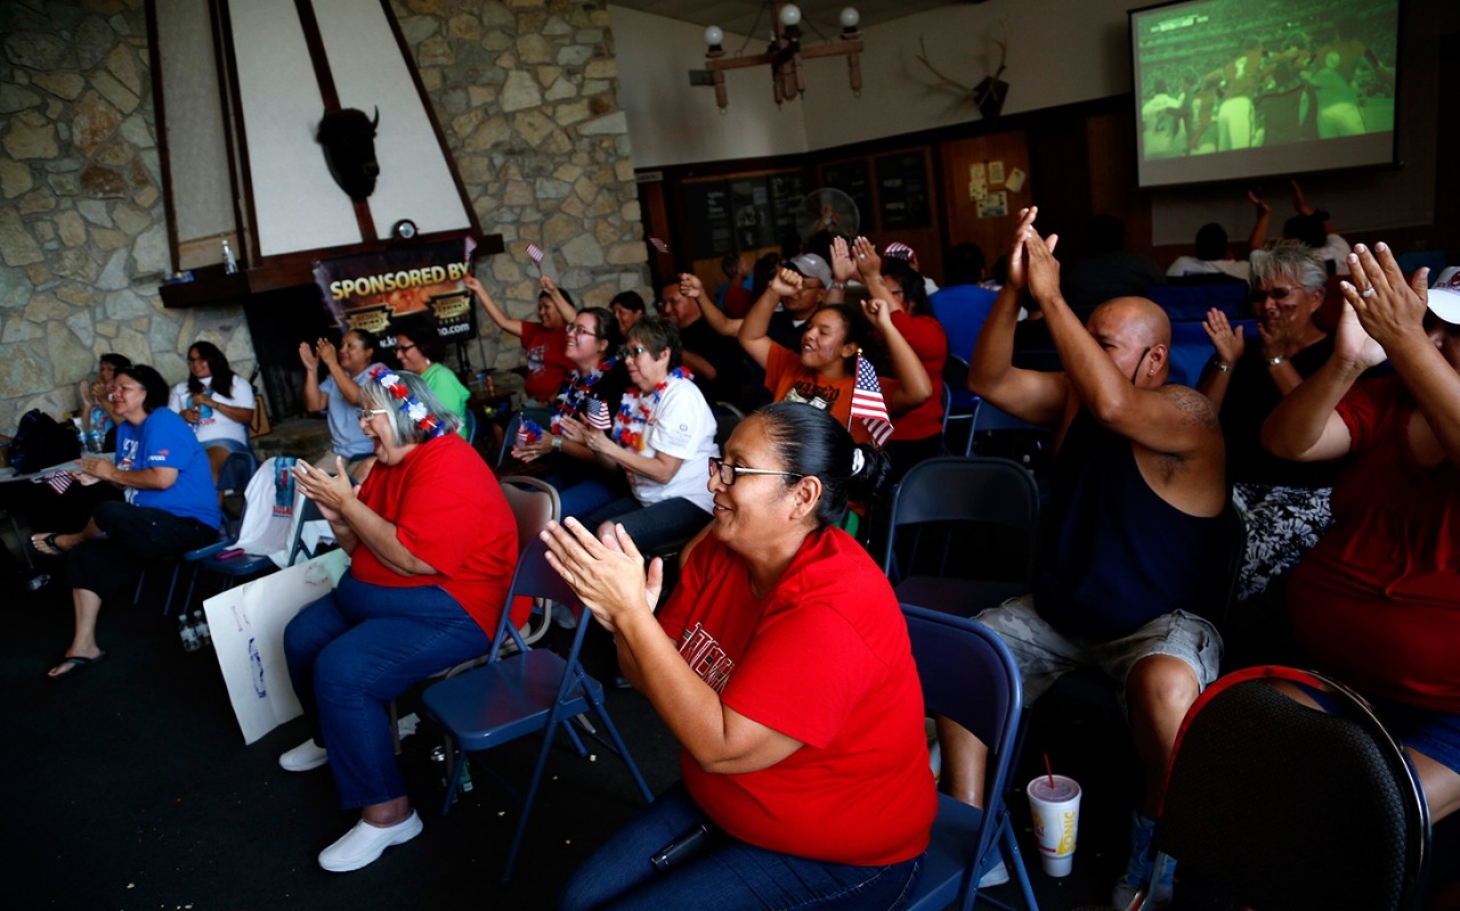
(1229, 76)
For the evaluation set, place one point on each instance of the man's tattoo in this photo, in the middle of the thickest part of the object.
(1196, 410)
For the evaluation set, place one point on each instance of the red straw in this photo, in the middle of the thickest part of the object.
(1049, 771)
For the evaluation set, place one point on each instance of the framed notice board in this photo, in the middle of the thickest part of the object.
(741, 212)
(902, 191)
(711, 224)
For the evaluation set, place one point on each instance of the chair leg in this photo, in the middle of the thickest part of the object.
(1015, 862)
(171, 587)
(451, 785)
(548, 734)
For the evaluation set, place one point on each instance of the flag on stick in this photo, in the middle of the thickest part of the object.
(659, 245)
(868, 404)
(534, 253)
(898, 250)
(59, 481)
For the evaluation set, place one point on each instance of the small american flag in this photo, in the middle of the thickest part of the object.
(598, 417)
(59, 481)
(899, 250)
(868, 404)
(659, 245)
(534, 253)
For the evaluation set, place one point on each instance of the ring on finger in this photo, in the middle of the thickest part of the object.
(1367, 293)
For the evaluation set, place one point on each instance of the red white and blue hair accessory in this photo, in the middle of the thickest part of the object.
(419, 414)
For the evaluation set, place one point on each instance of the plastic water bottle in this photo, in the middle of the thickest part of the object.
(94, 440)
(200, 624)
(230, 265)
(188, 635)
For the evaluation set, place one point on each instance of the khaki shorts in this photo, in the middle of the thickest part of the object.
(1044, 653)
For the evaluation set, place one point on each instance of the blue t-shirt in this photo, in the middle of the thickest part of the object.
(344, 419)
(962, 310)
(165, 440)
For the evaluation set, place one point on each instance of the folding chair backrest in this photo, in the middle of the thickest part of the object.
(534, 578)
(969, 490)
(509, 438)
(534, 502)
(308, 512)
(1282, 805)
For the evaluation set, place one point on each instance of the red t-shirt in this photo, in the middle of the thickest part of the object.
(547, 361)
(738, 301)
(824, 659)
(450, 513)
(1377, 601)
(929, 342)
(790, 381)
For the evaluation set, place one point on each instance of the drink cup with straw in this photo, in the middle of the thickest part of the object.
(1054, 805)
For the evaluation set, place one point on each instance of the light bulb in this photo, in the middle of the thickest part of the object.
(790, 15)
(850, 19)
(714, 37)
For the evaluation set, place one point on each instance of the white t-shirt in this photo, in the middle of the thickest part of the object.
(1336, 249)
(1190, 265)
(682, 426)
(214, 424)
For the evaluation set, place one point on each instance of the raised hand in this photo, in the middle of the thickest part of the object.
(1230, 345)
(1259, 202)
(843, 266)
(879, 312)
(327, 352)
(868, 260)
(1388, 307)
(607, 574)
(1041, 268)
(473, 285)
(690, 285)
(786, 282)
(546, 283)
(329, 492)
(307, 355)
(1351, 342)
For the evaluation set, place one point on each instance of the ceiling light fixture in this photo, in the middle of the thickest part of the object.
(785, 53)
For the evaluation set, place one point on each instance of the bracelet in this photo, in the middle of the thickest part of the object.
(1275, 361)
(836, 286)
(557, 443)
(1225, 368)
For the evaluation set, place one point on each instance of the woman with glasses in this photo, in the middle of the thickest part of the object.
(593, 391)
(339, 395)
(217, 402)
(419, 349)
(432, 546)
(1284, 504)
(661, 435)
(171, 507)
(781, 663)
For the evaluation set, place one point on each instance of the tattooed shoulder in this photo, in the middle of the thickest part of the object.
(1195, 408)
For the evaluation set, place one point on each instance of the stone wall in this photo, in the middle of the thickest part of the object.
(83, 234)
(526, 93)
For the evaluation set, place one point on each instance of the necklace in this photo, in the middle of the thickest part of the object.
(574, 397)
(637, 408)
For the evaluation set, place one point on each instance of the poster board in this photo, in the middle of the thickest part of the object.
(247, 625)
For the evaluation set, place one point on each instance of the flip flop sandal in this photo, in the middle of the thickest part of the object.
(49, 541)
(77, 663)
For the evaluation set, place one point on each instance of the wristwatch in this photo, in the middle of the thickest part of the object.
(836, 286)
(557, 443)
(1274, 361)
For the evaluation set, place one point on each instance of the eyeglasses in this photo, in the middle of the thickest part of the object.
(637, 350)
(365, 414)
(1277, 294)
(728, 473)
(581, 331)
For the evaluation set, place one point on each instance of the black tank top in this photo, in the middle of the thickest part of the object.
(1114, 555)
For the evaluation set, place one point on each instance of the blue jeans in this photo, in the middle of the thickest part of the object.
(353, 651)
(729, 875)
(650, 526)
(582, 497)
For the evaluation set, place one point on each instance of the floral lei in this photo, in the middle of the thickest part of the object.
(409, 404)
(632, 423)
(575, 395)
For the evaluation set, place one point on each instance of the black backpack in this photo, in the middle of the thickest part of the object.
(40, 442)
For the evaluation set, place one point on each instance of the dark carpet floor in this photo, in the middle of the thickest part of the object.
(130, 787)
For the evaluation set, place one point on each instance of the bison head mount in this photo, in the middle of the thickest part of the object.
(348, 137)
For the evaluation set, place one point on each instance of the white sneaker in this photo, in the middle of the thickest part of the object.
(996, 875)
(365, 843)
(308, 755)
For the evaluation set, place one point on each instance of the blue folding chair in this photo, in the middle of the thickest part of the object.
(970, 678)
(509, 438)
(530, 691)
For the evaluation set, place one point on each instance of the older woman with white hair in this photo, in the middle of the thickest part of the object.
(433, 544)
(1285, 504)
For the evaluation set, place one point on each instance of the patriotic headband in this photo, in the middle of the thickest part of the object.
(899, 250)
(419, 414)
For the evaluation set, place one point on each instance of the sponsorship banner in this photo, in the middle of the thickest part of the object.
(374, 290)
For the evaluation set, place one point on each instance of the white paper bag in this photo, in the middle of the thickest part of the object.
(247, 624)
